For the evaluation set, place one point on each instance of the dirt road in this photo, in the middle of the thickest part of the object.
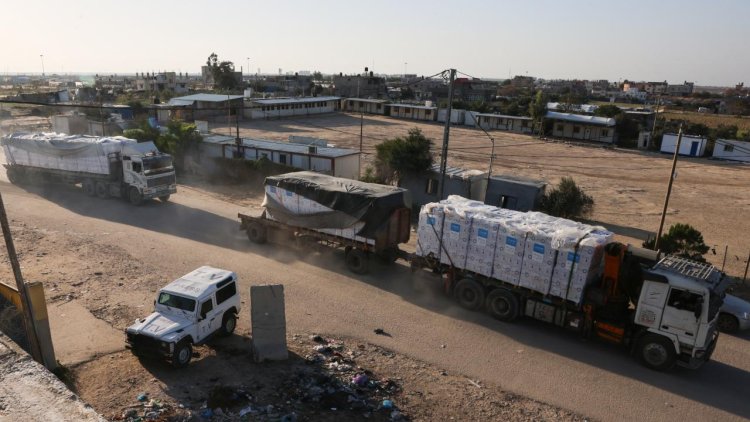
(528, 358)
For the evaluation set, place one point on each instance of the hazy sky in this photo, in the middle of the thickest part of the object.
(702, 41)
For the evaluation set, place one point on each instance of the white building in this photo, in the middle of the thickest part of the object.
(414, 112)
(259, 108)
(727, 149)
(458, 116)
(692, 146)
(518, 124)
(339, 162)
(364, 105)
(577, 126)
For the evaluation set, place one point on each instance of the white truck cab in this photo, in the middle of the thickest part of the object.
(187, 311)
(678, 309)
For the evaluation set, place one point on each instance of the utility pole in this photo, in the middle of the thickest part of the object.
(28, 317)
(669, 189)
(656, 115)
(446, 135)
(747, 265)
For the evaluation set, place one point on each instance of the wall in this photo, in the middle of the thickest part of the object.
(406, 112)
(417, 186)
(347, 166)
(519, 196)
(354, 105)
(71, 125)
(505, 123)
(292, 109)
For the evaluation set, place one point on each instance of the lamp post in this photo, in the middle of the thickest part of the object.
(248, 68)
(41, 57)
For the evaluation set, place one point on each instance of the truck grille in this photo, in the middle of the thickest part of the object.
(166, 180)
(140, 341)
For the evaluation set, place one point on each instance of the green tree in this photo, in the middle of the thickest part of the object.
(681, 240)
(608, 110)
(222, 72)
(399, 156)
(567, 200)
(538, 107)
(142, 132)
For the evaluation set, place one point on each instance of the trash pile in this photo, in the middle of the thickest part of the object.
(149, 409)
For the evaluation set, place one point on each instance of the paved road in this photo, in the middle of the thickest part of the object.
(527, 357)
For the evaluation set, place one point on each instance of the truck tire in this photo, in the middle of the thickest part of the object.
(357, 261)
(14, 176)
(502, 304)
(388, 255)
(656, 352)
(228, 324)
(728, 323)
(102, 190)
(89, 187)
(256, 232)
(164, 198)
(469, 294)
(134, 196)
(183, 352)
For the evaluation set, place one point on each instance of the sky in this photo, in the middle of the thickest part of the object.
(701, 41)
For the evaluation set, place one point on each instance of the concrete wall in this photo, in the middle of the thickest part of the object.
(513, 195)
(418, 187)
(71, 125)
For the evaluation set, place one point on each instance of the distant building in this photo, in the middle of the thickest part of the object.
(169, 81)
(271, 108)
(692, 146)
(414, 112)
(365, 105)
(424, 186)
(514, 193)
(472, 90)
(580, 127)
(685, 88)
(359, 86)
(71, 124)
(206, 106)
(519, 124)
(339, 162)
(726, 149)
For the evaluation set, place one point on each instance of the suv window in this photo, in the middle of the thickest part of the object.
(206, 307)
(226, 292)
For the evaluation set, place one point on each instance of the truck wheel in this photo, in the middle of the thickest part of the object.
(228, 324)
(183, 352)
(134, 196)
(164, 198)
(14, 176)
(469, 294)
(656, 352)
(256, 232)
(89, 187)
(101, 190)
(388, 255)
(502, 304)
(728, 323)
(357, 261)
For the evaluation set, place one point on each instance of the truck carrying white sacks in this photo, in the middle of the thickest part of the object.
(104, 166)
(549, 255)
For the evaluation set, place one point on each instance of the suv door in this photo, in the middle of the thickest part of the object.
(680, 314)
(209, 319)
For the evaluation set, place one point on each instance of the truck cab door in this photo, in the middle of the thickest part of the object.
(682, 314)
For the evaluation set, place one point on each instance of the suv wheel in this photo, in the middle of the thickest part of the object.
(183, 352)
(228, 324)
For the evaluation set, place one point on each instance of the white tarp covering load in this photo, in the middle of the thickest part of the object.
(76, 153)
(550, 255)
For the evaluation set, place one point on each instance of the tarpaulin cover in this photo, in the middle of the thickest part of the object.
(79, 153)
(346, 202)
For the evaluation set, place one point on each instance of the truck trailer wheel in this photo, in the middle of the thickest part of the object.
(256, 232)
(502, 304)
(469, 294)
(357, 261)
(101, 190)
(183, 352)
(656, 352)
(134, 196)
(89, 187)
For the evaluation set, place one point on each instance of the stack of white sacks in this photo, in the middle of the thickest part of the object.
(299, 205)
(531, 249)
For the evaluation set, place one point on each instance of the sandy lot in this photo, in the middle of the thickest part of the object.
(628, 186)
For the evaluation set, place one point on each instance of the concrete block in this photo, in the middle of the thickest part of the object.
(268, 321)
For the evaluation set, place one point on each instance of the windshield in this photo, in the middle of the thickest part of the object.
(158, 164)
(175, 301)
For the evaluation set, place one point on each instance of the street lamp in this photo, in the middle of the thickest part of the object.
(41, 57)
(248, 68)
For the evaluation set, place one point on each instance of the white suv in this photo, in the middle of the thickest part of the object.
(187, 311)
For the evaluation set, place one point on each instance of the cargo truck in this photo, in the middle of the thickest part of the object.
(513, 264)
(308, 209)
(104, 166)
